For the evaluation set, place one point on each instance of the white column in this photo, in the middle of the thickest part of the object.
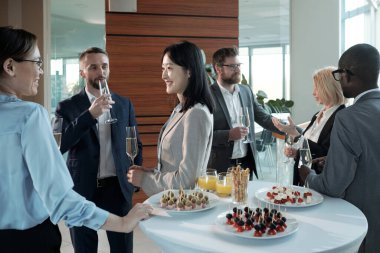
(314, 43)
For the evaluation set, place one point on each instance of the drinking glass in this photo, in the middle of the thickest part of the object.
(103, 88)
(56, 125)
(245, 122)
(131, 143)
(289, 141)
(305, 154)
(207, 181)
(224, 184)
(240, 179)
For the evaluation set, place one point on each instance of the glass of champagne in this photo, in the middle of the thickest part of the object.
(131, 143)
(56, 125)
(245, 122)
(305, 154)
(103, 88)
(289, 141)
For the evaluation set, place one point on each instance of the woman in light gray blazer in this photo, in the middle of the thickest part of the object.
(185, 140)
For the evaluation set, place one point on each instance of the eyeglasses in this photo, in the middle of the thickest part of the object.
(39, 62)
(337, 74)
(234, 66)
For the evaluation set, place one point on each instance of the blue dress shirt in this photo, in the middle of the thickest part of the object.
(35, 182)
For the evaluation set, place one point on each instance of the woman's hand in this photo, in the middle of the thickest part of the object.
(127, 223)
(137, 213)
(290, 152)
(288, 128)
(135, 174)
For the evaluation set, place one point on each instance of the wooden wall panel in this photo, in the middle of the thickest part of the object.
(175, 26)
(140, 57)
(135, 42)
(216, 8)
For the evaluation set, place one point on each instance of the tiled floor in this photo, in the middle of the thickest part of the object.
(141, 243)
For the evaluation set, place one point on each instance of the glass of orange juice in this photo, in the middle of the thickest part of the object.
(224, 184)
(207, 181)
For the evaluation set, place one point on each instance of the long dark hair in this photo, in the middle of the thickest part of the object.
(15, 43)
(189, 56)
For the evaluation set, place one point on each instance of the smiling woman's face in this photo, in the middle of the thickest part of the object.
(26, 75)
(176, 77)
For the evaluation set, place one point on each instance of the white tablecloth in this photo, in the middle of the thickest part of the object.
(332, 226)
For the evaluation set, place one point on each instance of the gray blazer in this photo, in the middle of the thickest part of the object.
(352, 169)
(185, 149)
(222, 148)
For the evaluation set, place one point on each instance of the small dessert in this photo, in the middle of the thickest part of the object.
(265, 222)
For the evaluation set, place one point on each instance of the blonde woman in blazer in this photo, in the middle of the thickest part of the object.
(185, 140)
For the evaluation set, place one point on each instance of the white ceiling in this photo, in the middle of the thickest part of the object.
(78, 24)
(263, 22)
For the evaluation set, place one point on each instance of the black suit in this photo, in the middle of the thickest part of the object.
(80, 139)
(222, 149)
(321, 147)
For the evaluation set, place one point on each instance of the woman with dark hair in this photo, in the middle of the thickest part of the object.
(35, 184)
(185, 140)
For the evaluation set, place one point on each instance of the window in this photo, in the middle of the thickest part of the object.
(64, 77)
(358, 22)
(72, 31)
(264, 45)
(267, 68)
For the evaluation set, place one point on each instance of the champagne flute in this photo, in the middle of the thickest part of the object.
(103, 88)
(245, 122)
(56, 125)
(289, 141)
(131, 143)
(305, 154)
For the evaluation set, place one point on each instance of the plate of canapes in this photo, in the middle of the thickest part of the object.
(292, 196)
(256, 223)
(183, 201)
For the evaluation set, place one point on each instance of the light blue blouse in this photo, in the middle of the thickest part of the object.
(34, 180)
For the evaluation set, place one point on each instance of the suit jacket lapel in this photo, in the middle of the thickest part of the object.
(242, 97)
(84, 103)
(219, 99)
(176, 118)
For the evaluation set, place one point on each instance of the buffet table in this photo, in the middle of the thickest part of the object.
(331, 226)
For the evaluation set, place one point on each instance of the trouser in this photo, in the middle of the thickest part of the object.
(43, 238)
(246, 162)
(108, 197)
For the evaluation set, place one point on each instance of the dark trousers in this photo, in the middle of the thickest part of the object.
(247, 161)
(43, 238)
(85, 240)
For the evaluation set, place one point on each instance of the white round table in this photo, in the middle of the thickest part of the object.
(332, 226)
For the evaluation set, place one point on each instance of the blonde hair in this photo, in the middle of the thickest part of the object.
(329, 90)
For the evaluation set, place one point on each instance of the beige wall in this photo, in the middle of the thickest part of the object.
(28, 15)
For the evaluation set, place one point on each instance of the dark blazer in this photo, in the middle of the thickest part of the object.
(221, 151)
(80, 138)
(321, 147)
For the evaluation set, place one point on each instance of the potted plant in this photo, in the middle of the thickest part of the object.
(274, 106)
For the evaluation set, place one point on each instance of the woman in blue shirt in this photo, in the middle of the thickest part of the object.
(35, 185)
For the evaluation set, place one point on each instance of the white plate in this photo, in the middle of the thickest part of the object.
(316, 198)
(292, 227)
(155, 202)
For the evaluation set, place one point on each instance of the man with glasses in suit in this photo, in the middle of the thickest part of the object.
(352, 168)
(231, 98)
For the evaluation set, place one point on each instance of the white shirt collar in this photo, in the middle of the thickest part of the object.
(224, 90)
(363, 93)
(89, 95)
